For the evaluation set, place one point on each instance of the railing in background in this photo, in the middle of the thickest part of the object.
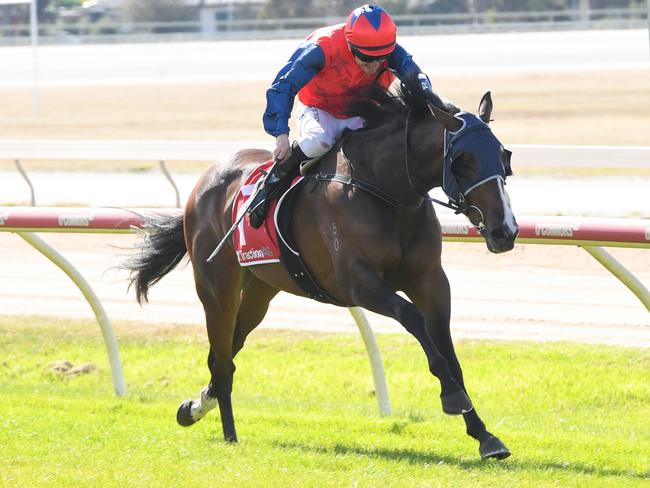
(116, 32)
(20, 151)
(590, 234)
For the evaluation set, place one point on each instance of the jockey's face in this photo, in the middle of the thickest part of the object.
(369, 67)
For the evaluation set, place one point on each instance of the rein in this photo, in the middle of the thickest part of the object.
(362, 185)
(461, 208)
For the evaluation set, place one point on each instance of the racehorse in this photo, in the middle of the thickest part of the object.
(365, 231)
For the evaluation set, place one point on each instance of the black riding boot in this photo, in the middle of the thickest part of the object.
(271, 186)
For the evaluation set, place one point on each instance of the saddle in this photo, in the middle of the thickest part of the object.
(273, 242)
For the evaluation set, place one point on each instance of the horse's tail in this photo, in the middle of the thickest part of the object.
(161, 249)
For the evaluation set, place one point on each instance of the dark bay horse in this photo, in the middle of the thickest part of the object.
(364, 236)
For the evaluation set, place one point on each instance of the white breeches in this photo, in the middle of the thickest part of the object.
(318, 130)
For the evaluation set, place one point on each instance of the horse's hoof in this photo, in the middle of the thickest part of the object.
(456, 404)
(184, 414)
(493, 448)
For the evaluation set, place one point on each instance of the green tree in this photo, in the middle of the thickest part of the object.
(67, 3)
(156, 11)
(281, 9)
(277, 9)
(521, 5)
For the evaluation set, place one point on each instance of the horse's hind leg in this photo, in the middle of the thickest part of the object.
(221, 301)
(255, 298)
(433, 298)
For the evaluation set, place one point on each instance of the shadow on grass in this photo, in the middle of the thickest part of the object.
(419, 457)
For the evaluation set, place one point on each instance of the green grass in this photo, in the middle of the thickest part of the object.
(573, 415)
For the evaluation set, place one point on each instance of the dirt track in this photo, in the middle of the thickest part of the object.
(533, 293)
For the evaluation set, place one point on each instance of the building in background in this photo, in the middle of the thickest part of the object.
(210, 12)
(93, 21)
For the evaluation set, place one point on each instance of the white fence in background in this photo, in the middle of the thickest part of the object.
(211, 28)
(21, 151)
(590, 234)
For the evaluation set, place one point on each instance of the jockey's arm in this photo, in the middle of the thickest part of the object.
(303, 65)
(402, 62)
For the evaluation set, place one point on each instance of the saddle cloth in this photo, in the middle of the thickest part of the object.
(257, 246)
(273, 242)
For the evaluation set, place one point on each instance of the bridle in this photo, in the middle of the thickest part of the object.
(460, 206)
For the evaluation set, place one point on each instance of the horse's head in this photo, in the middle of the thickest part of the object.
(475, 168)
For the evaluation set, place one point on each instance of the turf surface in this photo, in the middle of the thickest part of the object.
(573, 415)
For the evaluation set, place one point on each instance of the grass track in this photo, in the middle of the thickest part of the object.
(572, 415)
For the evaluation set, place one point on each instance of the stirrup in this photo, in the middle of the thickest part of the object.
(257, 216)
(307, 165)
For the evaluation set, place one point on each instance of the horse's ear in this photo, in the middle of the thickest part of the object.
(451, 123)
(485, 108)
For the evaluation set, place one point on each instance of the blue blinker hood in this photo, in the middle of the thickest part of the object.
(474, 137)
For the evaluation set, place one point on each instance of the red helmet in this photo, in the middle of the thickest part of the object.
(371, 31)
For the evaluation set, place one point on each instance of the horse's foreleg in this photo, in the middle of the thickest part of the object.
(372, 293)
(432, 296)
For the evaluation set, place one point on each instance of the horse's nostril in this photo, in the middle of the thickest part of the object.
(498, 234)
(504, 234)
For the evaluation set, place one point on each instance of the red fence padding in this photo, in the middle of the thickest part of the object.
(539, 229)
(583, 229)
(70, 219)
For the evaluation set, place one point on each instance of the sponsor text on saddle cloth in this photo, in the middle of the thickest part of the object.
(256, 246)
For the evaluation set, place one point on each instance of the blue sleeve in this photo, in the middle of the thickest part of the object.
(402, 62)
(303, 65)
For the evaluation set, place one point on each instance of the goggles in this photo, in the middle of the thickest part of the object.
(364, 58)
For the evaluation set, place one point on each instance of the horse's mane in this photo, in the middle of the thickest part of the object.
(381, 107)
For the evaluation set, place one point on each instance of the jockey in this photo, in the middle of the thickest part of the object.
(334, 66)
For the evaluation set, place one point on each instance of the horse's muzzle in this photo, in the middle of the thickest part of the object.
(501, 239)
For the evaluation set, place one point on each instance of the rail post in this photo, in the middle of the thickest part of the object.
(168, 175)
(621, 272)
(381, 388)
(102, 318)
(23, 173)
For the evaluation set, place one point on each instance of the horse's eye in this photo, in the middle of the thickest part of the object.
(505, 157)
(463, 164)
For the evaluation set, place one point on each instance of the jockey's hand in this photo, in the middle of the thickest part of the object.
(282, 147)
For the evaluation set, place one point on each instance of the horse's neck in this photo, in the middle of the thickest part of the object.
(425, 156)
(380, 157)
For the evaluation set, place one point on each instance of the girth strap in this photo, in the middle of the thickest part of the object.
(291, 258)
